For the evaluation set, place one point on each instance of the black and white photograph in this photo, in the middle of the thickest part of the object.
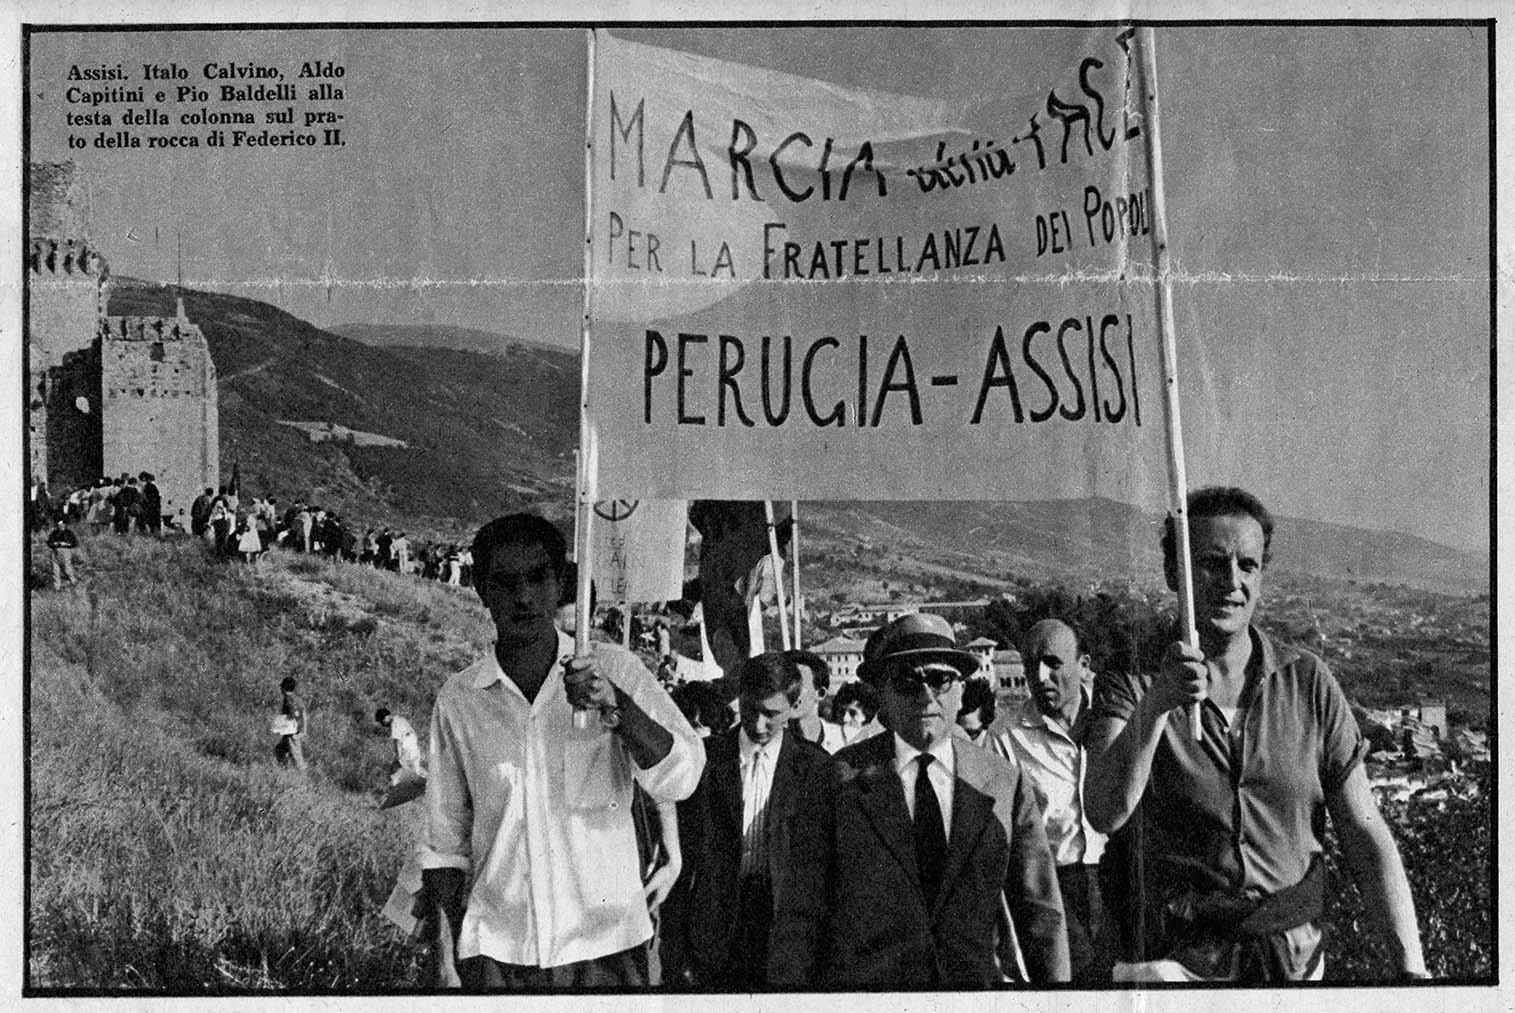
(756, 511)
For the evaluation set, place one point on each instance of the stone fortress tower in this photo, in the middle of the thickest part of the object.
(107, 395)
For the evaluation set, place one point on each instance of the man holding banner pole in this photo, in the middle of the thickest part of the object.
(534, 749)
(1231, 824)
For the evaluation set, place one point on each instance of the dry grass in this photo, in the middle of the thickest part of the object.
(168, 852)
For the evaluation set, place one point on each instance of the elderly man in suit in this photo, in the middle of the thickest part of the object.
(734, 832)
(916, 859)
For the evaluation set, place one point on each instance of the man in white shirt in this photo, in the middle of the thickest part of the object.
(534, 807)
(407, 745)
(1047, 737)
(912, 854)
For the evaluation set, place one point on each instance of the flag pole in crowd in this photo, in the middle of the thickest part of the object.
(794, 565)
(588, 462)
(1172, 427)
(775, 561)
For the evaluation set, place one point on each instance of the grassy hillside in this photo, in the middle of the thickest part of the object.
(168, 851)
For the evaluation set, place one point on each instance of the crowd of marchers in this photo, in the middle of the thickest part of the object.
(243, 528)
(591, 824)
(586, 828)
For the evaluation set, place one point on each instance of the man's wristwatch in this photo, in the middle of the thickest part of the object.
(610, 717)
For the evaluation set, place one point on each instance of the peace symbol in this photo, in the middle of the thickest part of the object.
(615, 509)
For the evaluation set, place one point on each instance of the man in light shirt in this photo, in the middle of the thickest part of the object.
(407, 745)
(1047, 739)
(916, 859)
(529, 807)
(735, 829)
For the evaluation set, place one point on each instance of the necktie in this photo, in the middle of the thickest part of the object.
(755, 816)
(930, 834)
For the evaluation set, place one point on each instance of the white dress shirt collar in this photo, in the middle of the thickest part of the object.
(490, 671)
(905, 754)
(941, 775)
(746, 748)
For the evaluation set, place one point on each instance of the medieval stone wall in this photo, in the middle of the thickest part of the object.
(67, 285)
(58, 203)
(67, 423)
(108, 395)
(158, 386)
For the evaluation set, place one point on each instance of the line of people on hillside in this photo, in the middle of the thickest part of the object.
(311, 528)
(245, 530)
(127, 504)
(1091, 837)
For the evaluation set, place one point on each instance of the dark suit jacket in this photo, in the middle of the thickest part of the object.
(702, 918)
(851, 914)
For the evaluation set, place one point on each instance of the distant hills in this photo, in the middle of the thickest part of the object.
(1098, 539)
(465, 339)
(489, 424)
(483, 433)
(1377, 557)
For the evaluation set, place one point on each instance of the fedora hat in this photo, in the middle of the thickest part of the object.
(916, 639)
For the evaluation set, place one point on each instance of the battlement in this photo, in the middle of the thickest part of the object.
(68, 257)
(154, 329)
(108, 394)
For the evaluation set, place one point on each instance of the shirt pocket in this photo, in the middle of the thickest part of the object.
(492, 787)
(596, 773)
(503, 779)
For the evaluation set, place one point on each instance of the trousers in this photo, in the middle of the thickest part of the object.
(626, 969)
(63, 566)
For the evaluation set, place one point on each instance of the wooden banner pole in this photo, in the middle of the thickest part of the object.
(794, 568)
(1172, 427)
(588, 459)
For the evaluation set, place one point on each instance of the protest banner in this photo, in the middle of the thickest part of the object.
(639, 549)
(368, 293)
(800, 289)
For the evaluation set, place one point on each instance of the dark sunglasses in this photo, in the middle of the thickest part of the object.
(908, 681)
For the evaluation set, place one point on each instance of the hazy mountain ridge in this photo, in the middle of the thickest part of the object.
(1098, 539)
(466, 339)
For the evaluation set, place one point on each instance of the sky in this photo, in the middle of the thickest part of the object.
(1327, 197)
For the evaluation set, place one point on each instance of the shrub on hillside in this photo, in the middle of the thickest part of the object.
(1446, 852)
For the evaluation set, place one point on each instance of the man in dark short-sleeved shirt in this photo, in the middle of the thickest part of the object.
(1232, 825)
